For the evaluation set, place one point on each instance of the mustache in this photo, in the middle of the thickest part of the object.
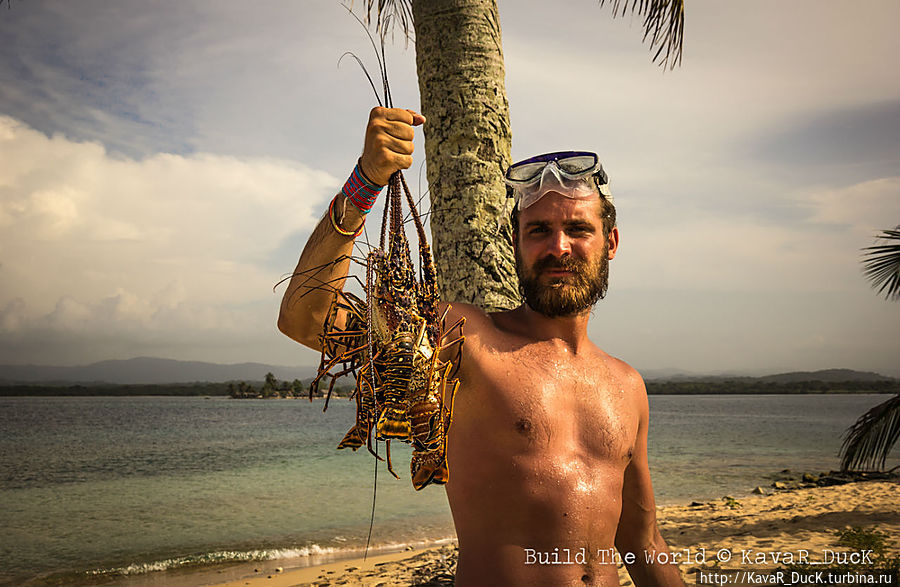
(562, 263)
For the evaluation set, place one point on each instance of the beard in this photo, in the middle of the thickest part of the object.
(565, 295)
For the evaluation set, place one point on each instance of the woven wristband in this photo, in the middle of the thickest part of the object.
(360, 191)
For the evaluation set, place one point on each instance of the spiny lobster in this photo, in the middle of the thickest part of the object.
(392, 343)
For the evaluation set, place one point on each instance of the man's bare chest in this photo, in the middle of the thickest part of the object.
(532, 402)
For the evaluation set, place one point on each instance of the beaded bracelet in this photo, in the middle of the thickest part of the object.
(360, 190)
(337, 227)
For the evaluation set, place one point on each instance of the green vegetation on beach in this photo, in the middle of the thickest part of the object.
(271, 388)
(267, 388)
(751, 385)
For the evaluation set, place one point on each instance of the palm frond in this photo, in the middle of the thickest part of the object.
(869, 440)
(663, 24)
(881, 264)
(390, 13)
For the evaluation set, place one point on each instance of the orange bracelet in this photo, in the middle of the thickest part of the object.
(337, 227)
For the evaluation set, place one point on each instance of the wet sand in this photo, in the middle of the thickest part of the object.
(748, 529)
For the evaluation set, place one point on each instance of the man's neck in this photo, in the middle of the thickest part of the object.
(570, 331)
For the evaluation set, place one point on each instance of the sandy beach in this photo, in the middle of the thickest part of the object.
(751, 535)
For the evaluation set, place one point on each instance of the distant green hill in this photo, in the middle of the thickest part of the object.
(225, 380)
(148, 370)
(826, 375)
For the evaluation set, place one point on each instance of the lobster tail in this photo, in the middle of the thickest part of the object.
(427, 468)
(355, 438)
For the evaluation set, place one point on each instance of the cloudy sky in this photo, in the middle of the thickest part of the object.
(161, 165)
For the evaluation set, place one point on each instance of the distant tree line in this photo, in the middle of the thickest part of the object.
(272, 388)
(752, 386)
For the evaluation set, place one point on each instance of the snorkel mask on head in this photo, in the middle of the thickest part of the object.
(574, 174)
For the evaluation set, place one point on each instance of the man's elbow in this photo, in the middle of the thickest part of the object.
(298, 332)
(636, 537)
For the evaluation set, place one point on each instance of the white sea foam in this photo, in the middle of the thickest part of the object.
(223, 556)
(234, 556)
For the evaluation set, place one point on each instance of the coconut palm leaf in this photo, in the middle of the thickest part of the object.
(390, 13)
(881, 264)
(663, 24)
(663, 21)
(869, 440)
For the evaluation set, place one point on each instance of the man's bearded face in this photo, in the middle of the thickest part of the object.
(564, 295)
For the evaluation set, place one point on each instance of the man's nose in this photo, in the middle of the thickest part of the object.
(560, 244)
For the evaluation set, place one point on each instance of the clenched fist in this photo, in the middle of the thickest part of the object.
(389, 142)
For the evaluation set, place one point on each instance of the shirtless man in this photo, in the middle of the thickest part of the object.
(548, 448)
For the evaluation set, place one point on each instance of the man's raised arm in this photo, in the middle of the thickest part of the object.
(325, 260)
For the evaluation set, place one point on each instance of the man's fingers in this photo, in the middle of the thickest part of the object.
(398, 130)
(389, 142)
(399, 146)
(404, 115)
(418, 119)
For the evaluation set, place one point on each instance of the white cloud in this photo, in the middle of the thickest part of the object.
(175, 254)
(92, 243)
(865, 207)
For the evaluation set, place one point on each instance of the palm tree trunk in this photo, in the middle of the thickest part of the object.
(459, 58)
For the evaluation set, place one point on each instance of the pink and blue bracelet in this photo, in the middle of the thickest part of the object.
(360, 190)
(362, 193)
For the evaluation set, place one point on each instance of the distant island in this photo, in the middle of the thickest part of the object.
(270, 387)
(760, 386)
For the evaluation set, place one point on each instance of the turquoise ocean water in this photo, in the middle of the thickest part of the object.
(124, 486)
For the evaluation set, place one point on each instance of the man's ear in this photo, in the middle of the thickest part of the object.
(613, 242)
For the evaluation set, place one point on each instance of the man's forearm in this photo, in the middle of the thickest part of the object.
(325, 260)
(321, 271)
(646, 571)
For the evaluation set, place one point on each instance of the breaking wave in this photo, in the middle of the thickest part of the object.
(313, 555)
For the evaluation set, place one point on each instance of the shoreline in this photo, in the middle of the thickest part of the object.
(755, 532)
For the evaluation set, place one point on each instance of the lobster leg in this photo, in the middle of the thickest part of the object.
(334, 378)
(390, 467)
(324, 368)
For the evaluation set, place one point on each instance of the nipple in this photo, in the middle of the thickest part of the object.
(523, 426)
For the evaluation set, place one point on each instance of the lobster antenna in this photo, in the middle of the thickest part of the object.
(389, 102)
(365, 71)
(381, 66)
(374, 491)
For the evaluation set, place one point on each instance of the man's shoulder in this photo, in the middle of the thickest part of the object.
(462, 309)
(626, 373)
(476, 318)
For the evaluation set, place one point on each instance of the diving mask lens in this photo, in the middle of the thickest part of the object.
(570, 163)
(525, 172)
(578, 166)
(566, 172)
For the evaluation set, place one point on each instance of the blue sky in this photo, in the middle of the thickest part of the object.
(163, 164)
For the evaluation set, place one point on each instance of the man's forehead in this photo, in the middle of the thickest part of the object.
(559, 208)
